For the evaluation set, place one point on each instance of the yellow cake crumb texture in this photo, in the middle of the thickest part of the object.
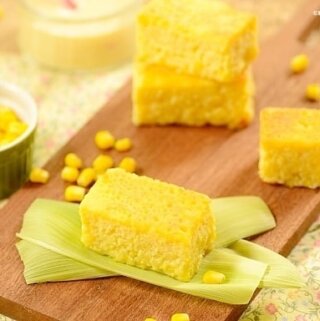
(295, 126)
(290, 146)
(202, 38)
(162, 96)
(147, 223)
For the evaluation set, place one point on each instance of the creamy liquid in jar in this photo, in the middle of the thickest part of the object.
(78, 34)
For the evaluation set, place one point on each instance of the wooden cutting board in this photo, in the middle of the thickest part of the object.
(214, 161)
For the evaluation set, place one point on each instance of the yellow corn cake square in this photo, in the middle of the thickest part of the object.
(162, 96)
(203, 38)
(146, 223)
(290, 146)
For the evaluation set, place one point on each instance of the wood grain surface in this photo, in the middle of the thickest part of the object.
(214, 161)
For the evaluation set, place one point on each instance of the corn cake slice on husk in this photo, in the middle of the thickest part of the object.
(147, 223)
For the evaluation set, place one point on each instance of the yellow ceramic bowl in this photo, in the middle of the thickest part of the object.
(16, 157)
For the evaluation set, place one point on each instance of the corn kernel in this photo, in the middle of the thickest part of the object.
(11, 127)
(6, 139)
(213, 277)
(313, 92)
(129, 164)
(180, 317)
(86, 177)
(299, 63)
(70, 174)
(16, 128)
(104, 139)
(150, 319)
(73, 160)
(6, 117)
(39, 175)
(74, 193)
(123, 144)
(102, 163)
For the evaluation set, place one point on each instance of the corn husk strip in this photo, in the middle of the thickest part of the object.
(240, 217)
(243, 275)
(281, 273)
(56, 226)
(42, 265)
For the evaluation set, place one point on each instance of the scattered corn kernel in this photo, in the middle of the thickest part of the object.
(102, 163)
(213, 277)
(150, 319)
(129, 164)
(74, 193)
(86, 177)
(104, 139)
(123, 144)
(73, 160)
(299, 63)
(313, 92)
(180, 317)
(70, 174)
(39, 175)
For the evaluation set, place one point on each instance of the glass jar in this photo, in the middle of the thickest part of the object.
(78, 34)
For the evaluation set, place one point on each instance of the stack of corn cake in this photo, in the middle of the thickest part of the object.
(192, 64)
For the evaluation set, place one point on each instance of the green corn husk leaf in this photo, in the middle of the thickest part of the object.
(239, 217)
(281, 273)
(243, 275)
(272, 277)
(56, 226)
(42, 265)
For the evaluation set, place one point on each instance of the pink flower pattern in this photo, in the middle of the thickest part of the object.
(271, 308)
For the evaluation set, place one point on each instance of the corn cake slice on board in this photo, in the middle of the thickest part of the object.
(161, 96)
(290, 146)
(202, 38)
(147, 223)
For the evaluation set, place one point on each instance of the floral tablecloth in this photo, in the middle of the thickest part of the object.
(66, 102)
